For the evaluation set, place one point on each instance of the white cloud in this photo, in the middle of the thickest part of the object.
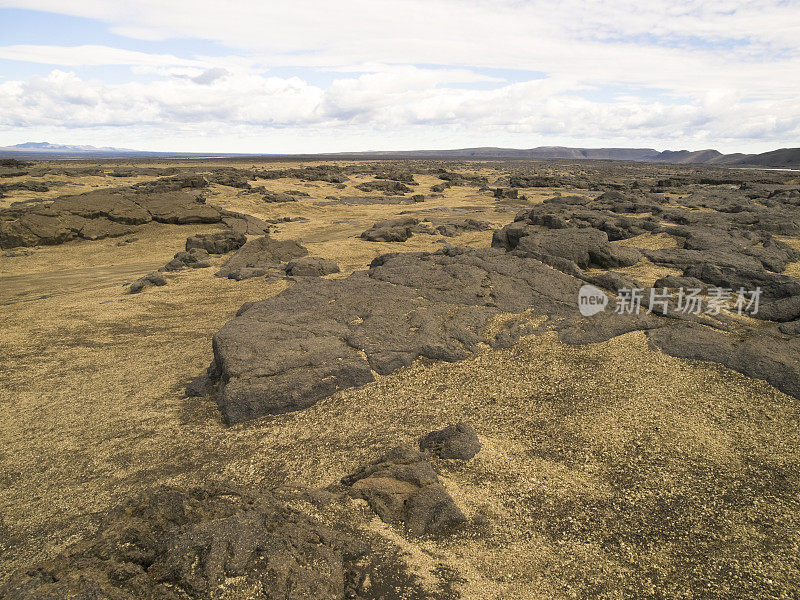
(693, 72)
(381, 106)
(89, 55)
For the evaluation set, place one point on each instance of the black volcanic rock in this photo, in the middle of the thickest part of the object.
(407, 305)
(151, 279)
(391, 230)
(457, 441)
(453, 227)
(761, 354)
(403, 489)
(196, 258)
(585, 246)
(98, 214)
(311, 266)
(386, 186)
(258, 256)
(217, 243)
(213, 542)
(272, 197)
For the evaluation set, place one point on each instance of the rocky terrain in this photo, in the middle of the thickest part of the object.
(227, 379)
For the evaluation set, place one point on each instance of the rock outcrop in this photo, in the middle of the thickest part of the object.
(457, 441)
(404, 490)
(259, 256)
(214, 542)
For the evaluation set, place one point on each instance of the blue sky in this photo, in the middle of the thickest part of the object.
(308, 76)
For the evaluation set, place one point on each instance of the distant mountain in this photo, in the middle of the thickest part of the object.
(542, 152)
(49, 148)
(688, 157)
(786, 158)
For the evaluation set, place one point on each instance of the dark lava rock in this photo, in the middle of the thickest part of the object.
(676, 282)
(327, 173)
(173, 183)
(279, 197)
(391, 230)
(243, 273)
(433, 305)
(386, 186)
(100, 214)
(208, 543)
(117, 206)
(154, 278)
(311, 266)
(14, 163)
(612, 281)
(771, 284)
(437, 305)
(531, 181)
(242, 223)
(781, 310)
(457, 441)
(586, 247)
(216, 243)
(453, 227)
(232, 178)
(259, 256)
(439, 188)
(403, 489)
(508, 193)
(792, 328)
(418, 197)
(27, 186)
(453, 178)
(406, 306)
(178, 208)
(761, 354)
(196, 258)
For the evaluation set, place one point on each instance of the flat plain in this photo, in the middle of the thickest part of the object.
(656, 458)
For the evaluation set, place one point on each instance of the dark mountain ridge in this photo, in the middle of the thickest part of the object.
(784, 158)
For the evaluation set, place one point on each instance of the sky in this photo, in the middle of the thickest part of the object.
(263, 76)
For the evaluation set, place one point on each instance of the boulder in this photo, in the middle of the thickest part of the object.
(279, 197)
(586, 247)
(406, 306)
(236, 178)
(453, 227)
(243, 273)
(781, 310)
(506, 193)
(403, 489)
(311, 266)
(216, 243)
(203, 543)
(262, 253)
(241, 223)
(196, 258)
(457, 441)
(392, 230)
(386, 186)
(177, 208)
(151, 279)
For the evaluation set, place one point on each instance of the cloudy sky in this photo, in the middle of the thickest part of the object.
(314, 76)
